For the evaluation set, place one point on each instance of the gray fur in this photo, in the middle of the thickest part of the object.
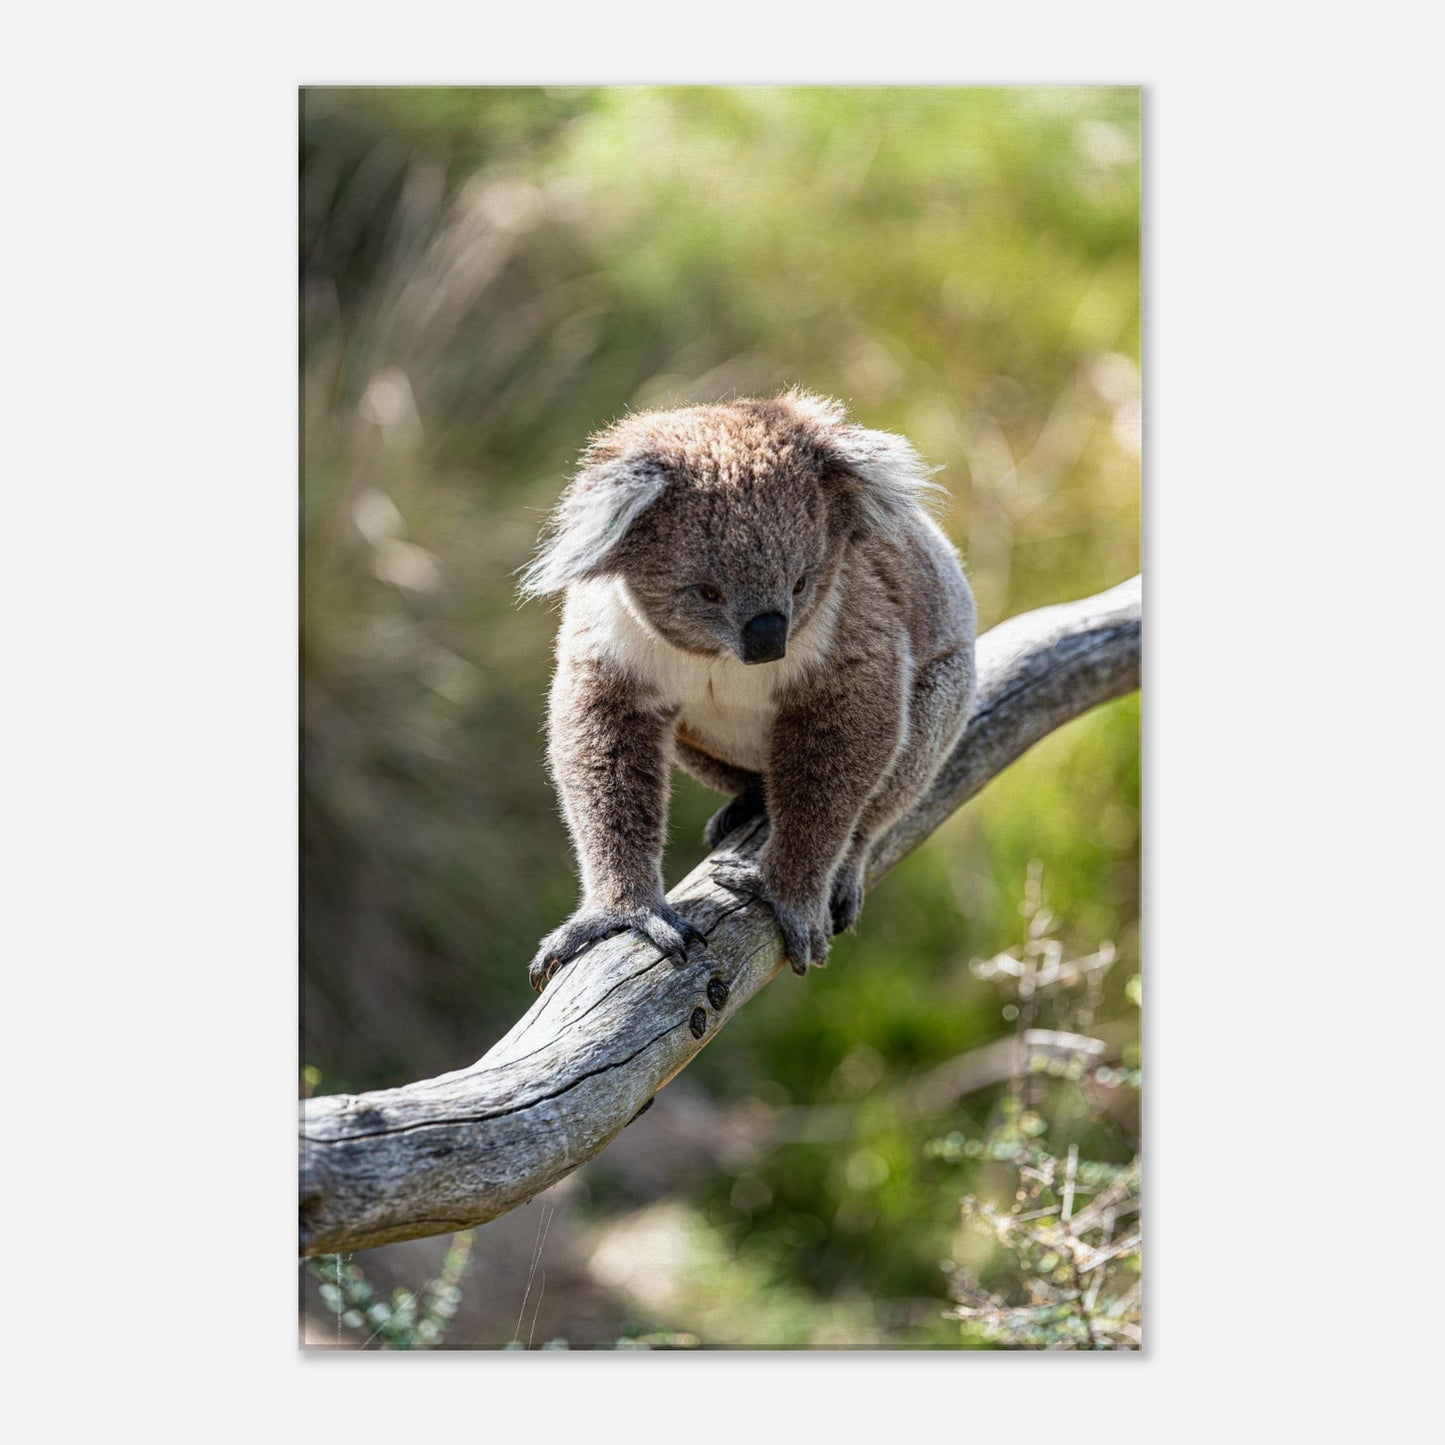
(894, 483)
(683, 528)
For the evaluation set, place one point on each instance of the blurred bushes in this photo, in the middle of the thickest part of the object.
(489, 275)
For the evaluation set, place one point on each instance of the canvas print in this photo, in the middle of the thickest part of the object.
(720, 718)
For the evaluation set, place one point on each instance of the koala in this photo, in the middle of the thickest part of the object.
(755, 592)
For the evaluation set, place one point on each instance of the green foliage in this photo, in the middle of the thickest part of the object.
(654, 1340)
(408, 1320)
(1054, 1247)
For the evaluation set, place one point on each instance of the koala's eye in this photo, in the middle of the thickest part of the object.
(800, 584)
(709, 593)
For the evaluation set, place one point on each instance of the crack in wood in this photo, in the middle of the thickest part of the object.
(452, 1121)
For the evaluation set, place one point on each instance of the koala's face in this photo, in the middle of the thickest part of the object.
(729, 522)
(734, 558)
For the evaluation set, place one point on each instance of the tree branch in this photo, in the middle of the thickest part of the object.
(617, 1024)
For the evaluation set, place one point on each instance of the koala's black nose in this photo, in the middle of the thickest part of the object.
(765, 638)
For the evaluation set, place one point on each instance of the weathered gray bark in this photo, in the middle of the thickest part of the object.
(616, 1025)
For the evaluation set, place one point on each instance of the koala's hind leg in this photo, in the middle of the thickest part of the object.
(748, 804)
(712, 772)
(939, 705)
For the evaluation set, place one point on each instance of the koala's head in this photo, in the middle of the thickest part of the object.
(729, 522)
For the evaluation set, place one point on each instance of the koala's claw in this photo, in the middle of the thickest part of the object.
(574, 937)
(744, 808)
(670, 933)
(667, 930)
(846, 903)
(739, 876)
(805, 938)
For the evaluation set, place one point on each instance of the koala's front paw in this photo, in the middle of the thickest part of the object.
(744, 808)
(666, 929)
(805, 930)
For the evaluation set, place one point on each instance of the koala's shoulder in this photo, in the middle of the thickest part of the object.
(916, 575)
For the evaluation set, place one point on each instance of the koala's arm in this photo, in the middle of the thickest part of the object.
(609, 750)
(833, 741)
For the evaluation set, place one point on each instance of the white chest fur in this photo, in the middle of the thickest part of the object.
(726, 705)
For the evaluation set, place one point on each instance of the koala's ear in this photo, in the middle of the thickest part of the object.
(595, 512)
(885, 478)
(882, 478)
